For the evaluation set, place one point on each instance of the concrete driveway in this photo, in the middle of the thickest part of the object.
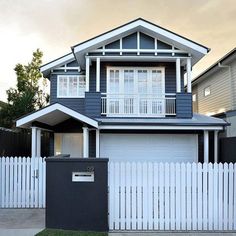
(21, 222)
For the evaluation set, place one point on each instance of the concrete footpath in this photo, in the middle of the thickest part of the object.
(172, 233)
(21, 222)
(28, 222)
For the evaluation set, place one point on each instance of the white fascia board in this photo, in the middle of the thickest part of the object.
(57, 62)
(52, 108)
(136, 24)
(156, 127)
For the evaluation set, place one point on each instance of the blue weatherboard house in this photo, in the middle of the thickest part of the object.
(121, 95)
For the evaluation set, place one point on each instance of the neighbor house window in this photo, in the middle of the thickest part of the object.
(207, 91)
(70, 86)
(194, 98)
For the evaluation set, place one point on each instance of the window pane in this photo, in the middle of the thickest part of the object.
(207, 91)
(62, 86)
(142, 81)
(156, 82)
(128, 81)
(73, 86)
(81, 85)
(114, 81)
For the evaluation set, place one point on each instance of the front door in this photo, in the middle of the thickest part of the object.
(69, 143)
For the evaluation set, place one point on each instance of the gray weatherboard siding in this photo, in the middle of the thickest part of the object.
(91, 104)
(184, 105)
(76, 104)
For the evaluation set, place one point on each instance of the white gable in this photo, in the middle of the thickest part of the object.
(196, 50)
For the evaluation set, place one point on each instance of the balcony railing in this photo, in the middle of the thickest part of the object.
(144, 105)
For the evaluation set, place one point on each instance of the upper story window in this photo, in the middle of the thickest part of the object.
(207, 91)
(194, 98)
(70, 86)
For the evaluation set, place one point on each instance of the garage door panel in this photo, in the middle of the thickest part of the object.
(150, 147)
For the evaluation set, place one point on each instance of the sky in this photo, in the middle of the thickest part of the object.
(56, 25)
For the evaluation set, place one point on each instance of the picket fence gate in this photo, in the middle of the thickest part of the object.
(22, 182)
(158, 196)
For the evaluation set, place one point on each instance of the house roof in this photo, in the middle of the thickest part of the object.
(53, 115)
(141, 20)
(79, 50)
(57, 113)
(196, 50)
(197, 120)
(46, 68)
(214, 67)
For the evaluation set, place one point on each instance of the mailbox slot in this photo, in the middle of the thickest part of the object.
(83, 176)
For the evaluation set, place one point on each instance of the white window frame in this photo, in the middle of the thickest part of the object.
(67, 76)
(122, 69)
(121, 88)
(194, 98)
(209, 93)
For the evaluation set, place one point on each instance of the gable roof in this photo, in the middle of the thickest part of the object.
(52, 115)
(139, 20)
(196, 50)
(46, 68)
(214, 67)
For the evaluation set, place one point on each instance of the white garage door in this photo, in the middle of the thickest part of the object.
(151, 147)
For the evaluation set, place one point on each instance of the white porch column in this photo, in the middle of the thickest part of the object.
(85, 142)
(216, 146)
(98, 75)
(97, 143)
(87, 74)
(33, 141)
(178, 76)
(189, 76)
(38, 143)
(206, 146)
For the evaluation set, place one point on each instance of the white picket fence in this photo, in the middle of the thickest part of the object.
(22, 182)
(157, 196)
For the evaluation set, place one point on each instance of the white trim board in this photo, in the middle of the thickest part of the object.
(60, 61)
(139, 25)
(34, 116)
(158, 127)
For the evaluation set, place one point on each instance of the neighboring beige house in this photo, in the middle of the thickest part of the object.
(214, 91)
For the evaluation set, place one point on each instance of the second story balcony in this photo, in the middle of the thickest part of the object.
(138, 105)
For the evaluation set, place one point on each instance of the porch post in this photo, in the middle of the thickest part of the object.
(189, 77)
(98, 75)
(97, 143)
(87, 74)
(33, 141)
(38, 143)
(206, 146)
(85, 142)
(216, 146)
(178, 76)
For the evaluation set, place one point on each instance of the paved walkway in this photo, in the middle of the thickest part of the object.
(21, 222)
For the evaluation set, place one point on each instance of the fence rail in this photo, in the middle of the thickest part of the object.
(157, 196)
(22, 182)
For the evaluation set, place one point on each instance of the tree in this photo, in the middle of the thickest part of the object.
(29, 95)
